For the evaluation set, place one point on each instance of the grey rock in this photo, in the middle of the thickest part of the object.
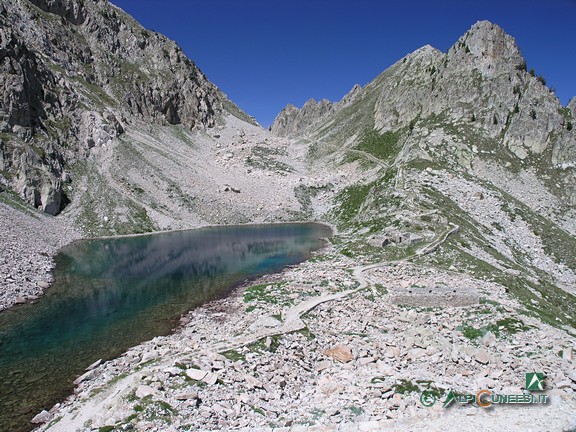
(252, 382)
(210, 378)
(187, 396)
(144, 390)
(564, 384)
(94, 365)
(196, 374)
(482, 356)
(85, 377)
(41, 417)
(489, 338)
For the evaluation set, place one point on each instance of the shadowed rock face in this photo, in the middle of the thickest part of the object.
(74, 74)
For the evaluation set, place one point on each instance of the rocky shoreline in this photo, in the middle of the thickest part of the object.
(30, 240)
(356, 362)
(321, 346)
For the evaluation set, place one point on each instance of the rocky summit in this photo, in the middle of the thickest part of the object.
(449, 180)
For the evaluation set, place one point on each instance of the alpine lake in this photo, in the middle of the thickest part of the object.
(111, 294)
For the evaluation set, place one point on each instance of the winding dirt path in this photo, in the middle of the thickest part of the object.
(292, 318)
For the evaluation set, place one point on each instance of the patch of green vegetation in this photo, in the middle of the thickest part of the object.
(262, 150)
(180, 133)
(304, 196)
(257, 410)
(131, 397)
(96, 94)
(405, 386)
(349, 202)
(557, 242)
(470, 332)
(53, 422)
(502, 327)
(40, 151)
(507, 326)
(378, 379)
(360, 335)
(381, 289)
(263, 158)
(234, 355)
(130, 418)
(431, 388)
(317, 414)
(347, 252)
(382, 145)
(260, 345)
(259, 293)
(484, 300)
(154, 410)
(483, 311)
(354, 410)
(321, 258)
(144, 364)
(267, 293)
(167, 407)
(307, 333)
(101, 200)
(351, 157)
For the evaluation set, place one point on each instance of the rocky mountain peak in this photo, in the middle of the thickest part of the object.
(427, 51)
(480, 86)
(488, 47)
(349, 97)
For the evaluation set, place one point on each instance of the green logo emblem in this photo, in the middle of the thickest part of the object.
(535, 381)
(449, 399)
(427, 399)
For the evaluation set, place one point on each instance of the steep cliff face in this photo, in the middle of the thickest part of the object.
(292, 121)
(74, 74)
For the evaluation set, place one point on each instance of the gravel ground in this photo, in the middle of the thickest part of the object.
(28, 240)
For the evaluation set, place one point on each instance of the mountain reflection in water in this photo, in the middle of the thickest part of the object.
(111, 294)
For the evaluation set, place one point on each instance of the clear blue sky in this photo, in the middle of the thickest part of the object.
(266, 53)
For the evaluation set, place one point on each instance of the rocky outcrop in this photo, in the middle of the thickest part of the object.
(572, 106)
(72, 11)
(74, 75)
(292, 121)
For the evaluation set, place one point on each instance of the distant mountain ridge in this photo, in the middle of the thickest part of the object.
(482, 80)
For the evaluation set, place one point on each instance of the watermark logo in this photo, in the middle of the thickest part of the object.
(535, 381)
(485, 398)
(427, 398)
(449, 399)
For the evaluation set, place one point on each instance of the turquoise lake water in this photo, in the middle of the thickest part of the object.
(111, 294)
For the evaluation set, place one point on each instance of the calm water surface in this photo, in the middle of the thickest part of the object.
(111, 294)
